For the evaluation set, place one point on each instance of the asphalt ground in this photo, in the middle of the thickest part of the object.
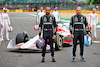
(29, 58)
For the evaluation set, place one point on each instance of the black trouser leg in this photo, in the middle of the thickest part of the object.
(43, 51)
(51, 46)
(75, 43)
(81, 39)
(48, 35)
(44, 48)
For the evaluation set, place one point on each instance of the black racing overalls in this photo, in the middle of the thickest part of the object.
(47, 23)
(79, 28)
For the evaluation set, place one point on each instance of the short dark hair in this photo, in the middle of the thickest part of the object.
(55, 6)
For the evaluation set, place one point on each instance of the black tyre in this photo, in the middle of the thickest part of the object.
(21, 38)
(58, 42)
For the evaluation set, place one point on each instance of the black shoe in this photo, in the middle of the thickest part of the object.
(53, 60)
(43, 60)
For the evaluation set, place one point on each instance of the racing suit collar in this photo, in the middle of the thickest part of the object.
(5, 12)
(41, 11)
(93, 13)
(48, 15)
(78, 15)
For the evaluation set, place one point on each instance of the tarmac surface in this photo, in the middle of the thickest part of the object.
(29, 58)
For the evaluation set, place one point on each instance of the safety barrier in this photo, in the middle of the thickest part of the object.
(61, 11)
(1, 10)
(73, 11)
(18, 10)
(12, 10)
(25, 10)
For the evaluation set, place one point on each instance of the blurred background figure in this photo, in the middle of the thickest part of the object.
(56, 14)
(39, 15)
(93, 21)
(5, 23)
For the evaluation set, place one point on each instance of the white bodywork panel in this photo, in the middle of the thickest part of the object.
(28, 45)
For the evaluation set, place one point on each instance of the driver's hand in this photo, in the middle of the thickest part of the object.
(87, 35)
(36, 23)
(54, 36)
(9, 25)
(40, 37)
(72, 36)
(1, 25)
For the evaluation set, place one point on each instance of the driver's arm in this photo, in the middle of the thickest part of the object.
(71, 25)
(86, 26)
(40, 26)
(55, 26)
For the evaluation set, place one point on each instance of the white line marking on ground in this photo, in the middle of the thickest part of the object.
(96, 41)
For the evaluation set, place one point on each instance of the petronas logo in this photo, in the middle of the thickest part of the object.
(50, 18)
(82, 19)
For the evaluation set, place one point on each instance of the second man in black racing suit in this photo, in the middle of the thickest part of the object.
(79, 27)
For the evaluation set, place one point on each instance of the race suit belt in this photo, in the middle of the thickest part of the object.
(48, 29)
(4, 18)
(79, 29)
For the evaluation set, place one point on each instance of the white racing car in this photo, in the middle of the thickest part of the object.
(22, 40)
(63, 29)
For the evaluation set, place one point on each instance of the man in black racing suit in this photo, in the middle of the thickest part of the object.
(47, 23)
(79, 27)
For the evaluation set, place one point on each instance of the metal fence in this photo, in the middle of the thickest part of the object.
(61, 5)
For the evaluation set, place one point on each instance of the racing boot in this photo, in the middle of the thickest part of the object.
(53, 59)
(82, 59)
(43, 59)
(73, 60)
(8, 39)
(2, 39)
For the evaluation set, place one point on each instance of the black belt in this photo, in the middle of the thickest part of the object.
(48, 29)
(79, 29)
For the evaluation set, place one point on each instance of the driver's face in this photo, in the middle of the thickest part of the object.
(55, 8)
(78, 11)
(41, 8)
(5, 10)
(93, 10)
(47, 10)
